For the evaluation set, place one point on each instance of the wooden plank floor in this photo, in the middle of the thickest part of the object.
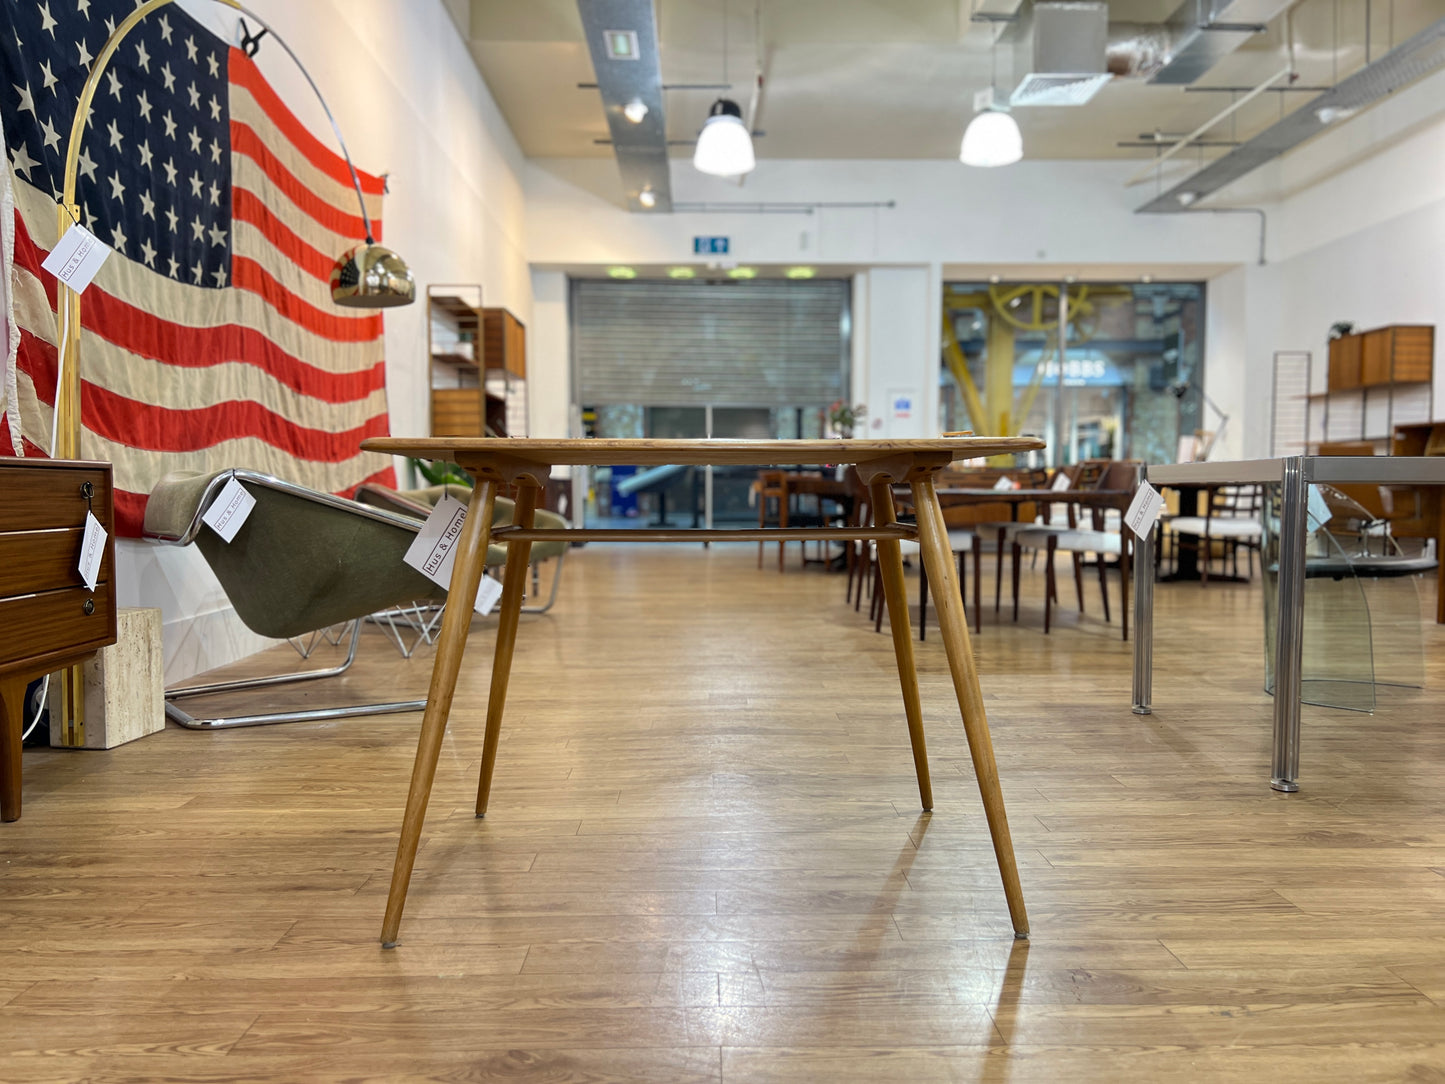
(705, 861)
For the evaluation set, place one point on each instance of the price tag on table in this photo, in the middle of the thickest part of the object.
(1318, 509)
(433, 553)
(1061, 482)
(1144, 509)
(230, 510)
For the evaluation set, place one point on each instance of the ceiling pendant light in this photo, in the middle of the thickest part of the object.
(991, 139)
(724, 146)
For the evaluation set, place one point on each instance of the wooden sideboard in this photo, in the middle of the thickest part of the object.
(49, 620)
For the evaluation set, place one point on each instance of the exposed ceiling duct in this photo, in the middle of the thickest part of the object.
(622, 39)
(1202, 32)
(1059, 52)
(1411, 60)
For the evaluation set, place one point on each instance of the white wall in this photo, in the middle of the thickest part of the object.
(411, 103)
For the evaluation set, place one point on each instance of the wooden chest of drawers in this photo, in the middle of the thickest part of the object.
(49, 620)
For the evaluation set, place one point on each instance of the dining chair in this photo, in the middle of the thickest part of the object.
(1232, 518)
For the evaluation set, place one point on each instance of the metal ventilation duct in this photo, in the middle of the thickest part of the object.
(1060, 49)
(1411, 60)
(1202, 32)
(622, 38)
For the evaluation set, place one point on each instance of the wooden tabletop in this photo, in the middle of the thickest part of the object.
(606, 452)
(1070, 496)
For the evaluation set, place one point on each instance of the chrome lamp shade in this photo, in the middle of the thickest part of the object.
(372, 276)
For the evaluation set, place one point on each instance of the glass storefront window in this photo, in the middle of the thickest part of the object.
(1122, 380)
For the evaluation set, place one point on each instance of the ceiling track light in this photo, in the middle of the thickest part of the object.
(636, 111)
(724, 146)
(647, 197)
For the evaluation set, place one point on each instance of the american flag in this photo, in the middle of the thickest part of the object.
(209, 337)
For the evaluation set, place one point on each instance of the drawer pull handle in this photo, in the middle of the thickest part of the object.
(89, 606)
(87, 490)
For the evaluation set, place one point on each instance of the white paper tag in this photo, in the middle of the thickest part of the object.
(229, 510)
(76, 258)
(1144, 509)
(434, 551)
(1003, 484)
(1061, 482)
(1318, 508)
(92, 551)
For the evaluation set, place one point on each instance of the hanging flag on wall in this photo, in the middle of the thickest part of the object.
(209, 339)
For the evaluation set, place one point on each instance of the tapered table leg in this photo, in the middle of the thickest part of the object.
(12, 725)
(514, 582)
(895, 591)
(471, 556)
(948, 604)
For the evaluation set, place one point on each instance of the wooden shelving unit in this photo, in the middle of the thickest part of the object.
(1376, 380)
(477, 369)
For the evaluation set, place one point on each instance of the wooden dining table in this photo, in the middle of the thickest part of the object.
(527, 463)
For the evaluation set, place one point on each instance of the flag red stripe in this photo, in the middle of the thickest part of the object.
(160, 429)
(247, 274)
(245, 207)
(138, 332)
(245, 73)
(245, 141)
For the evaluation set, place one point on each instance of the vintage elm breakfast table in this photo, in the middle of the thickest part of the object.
(527, 464)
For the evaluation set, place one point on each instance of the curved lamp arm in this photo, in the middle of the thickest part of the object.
(368, 276)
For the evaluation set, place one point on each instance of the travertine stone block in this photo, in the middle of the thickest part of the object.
(124, 687)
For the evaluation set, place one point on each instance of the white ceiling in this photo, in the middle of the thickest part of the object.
(891, 78)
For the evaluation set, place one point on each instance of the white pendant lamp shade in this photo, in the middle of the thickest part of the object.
(991, 139)
(724, 146)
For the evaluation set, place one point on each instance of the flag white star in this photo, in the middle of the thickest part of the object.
(114, 83)
(196, 184)
(198, 271)
(165, 29)
(148, 252)
(220, 276)
(170, 124)
(143, 103)
(172, 219)
(147, 206)
(143, 58)
(175, 266)
(87, 165)
(216, 151)
(195, 138)
(47, 20)
(83, 7)
(216, 194)
(115, 137)
(168, 76)
(50, 79)
(169, 165)
(117, 190)
(22, 161)
(89, 218)
(191, 49)
(145, 154)
(195, 96)
(215, 108)
(218, 236)
(109, 26)
(213, 64)
(198, 228)
(27, 100)
(52, 137)
(117, 237)
(85, 57)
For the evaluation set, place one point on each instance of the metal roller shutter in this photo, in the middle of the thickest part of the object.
(773, 344)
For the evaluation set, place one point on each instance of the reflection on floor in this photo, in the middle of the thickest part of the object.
(704, 861)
